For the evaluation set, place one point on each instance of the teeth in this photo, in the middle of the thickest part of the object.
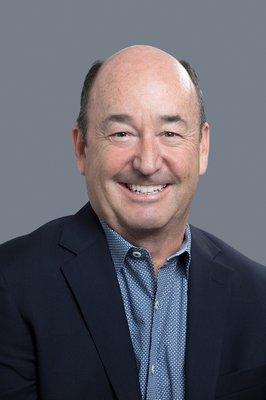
(146, 189)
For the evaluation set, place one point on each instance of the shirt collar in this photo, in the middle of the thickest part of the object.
(119, 246)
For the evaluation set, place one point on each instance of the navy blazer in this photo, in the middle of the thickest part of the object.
(64, 333)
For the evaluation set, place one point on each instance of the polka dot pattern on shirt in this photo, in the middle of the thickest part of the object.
(156, 310)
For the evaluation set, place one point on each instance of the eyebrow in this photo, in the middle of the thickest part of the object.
(125, 118)
(171, 118)
(117, 118)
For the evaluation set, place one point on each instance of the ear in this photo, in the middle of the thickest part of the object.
(204, 148)
(79, 145)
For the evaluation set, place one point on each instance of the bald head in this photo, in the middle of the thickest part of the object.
(135, 65)
(140, 58)
(141, 49)
(142, 62)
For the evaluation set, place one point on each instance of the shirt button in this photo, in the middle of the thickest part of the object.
(156, 305)
(152, 368)
(136, 254)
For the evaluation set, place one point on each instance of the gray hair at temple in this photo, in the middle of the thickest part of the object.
(82, 120)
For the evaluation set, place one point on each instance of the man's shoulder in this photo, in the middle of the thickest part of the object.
(23, 250)
(229, 256)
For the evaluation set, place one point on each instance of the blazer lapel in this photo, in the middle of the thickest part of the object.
(208, 301)
(92, 279)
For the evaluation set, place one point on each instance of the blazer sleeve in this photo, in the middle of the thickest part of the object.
(17, 360)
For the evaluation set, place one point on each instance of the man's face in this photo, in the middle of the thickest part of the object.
(143, 155)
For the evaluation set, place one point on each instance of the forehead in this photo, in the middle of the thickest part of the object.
(132, 86)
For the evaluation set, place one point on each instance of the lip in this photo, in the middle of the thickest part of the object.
(144, 198)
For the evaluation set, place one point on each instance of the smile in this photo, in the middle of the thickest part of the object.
(148, 190)
(144, 191)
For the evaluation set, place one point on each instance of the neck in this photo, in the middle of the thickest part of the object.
(161, 244)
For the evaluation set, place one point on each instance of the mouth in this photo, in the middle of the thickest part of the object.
(146, 190)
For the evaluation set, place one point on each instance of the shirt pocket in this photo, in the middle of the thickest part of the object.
(243, 380)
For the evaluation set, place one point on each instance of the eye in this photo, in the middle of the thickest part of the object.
(170, 138)
(123, 137)
(169, 134)
(119, 136)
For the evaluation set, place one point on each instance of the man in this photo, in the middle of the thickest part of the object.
(125, 300)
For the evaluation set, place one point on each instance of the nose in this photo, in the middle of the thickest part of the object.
(147, 159)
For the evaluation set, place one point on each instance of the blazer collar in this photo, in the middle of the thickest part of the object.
(81, 230)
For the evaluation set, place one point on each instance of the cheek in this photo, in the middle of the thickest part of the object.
(184, 165)
(104, 161)
(186, 174)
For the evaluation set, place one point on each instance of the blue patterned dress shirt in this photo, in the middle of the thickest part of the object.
(156, 311)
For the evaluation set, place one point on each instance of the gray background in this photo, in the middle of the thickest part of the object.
(46, 49)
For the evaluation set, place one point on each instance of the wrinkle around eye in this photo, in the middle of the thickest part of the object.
(122, 136)
(171, 138)
(172, 134)
(110, 137)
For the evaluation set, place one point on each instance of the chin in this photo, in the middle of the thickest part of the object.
(143, 224)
